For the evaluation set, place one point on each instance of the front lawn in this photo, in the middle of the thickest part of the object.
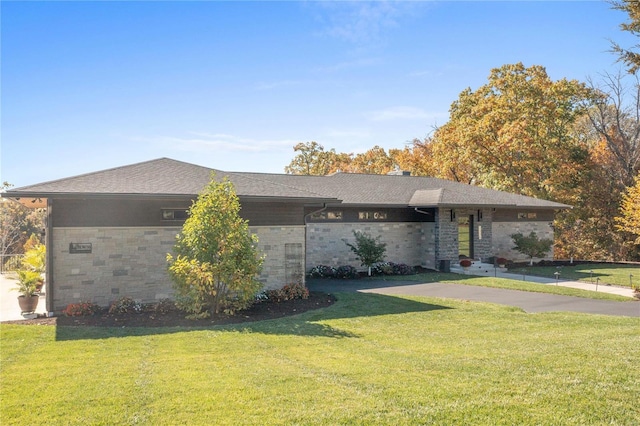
(368, 359)
(609, 274)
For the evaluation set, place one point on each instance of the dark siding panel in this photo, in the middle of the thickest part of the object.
(265, 214)
(121, 212)
(113, 212)
(511, 215)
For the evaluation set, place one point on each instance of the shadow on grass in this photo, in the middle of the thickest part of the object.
(348, 305)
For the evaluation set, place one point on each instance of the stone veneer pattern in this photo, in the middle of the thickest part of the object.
(412, 243)
(447, 245)
(132, 262)
(503, 243)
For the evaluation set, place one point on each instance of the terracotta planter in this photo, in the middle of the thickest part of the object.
(28, 303)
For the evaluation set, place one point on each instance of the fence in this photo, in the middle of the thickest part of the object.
(9, 262)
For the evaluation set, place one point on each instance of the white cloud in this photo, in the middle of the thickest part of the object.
(402, 113)
(362, 22)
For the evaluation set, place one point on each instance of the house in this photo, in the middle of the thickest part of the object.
(108, 232)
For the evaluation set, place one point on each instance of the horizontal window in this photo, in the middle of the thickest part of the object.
(527, 215)
(174, 214)
(327, 215)
(372, 215)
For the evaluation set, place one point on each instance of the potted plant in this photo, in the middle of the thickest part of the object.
(28, 289)
(465, 263)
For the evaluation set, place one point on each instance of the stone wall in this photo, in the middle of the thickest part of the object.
(412, 243)
(132, 262)
(447, 231)
(123, 262)
(503, 244)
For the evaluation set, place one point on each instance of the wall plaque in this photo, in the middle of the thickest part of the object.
(79, 248)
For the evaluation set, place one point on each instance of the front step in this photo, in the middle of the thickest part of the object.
(476, 266)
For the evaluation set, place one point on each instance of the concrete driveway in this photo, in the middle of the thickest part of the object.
(528, 301)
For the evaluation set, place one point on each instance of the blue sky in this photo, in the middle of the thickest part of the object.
(235, 85)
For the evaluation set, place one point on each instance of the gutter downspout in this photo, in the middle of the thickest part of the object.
(48, 243)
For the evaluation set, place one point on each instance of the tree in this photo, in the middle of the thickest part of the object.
(312, 159)
(615, 117)
(630, 58)
(515, 133)
(629, 220)
(369, 250)
(374, 161)
(17, 224)
(531, 245)
(215, 262)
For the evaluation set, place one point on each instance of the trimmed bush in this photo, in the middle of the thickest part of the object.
(346, 272)
(322, 271)
(125, 305)
(81, 309)
(288, 292)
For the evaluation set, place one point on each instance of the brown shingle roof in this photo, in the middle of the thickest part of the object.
(169, 177)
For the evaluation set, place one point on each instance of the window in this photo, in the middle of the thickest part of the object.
(174, 214)
(327, 215)
(372, 215)
(522, 216)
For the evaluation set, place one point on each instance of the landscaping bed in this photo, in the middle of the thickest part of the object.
(264, 310)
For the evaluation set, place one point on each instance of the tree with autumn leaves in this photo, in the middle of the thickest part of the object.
(523, 132)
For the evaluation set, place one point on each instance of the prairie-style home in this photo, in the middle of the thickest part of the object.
(108, 232)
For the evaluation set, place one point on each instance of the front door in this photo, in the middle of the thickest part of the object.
(465, 237)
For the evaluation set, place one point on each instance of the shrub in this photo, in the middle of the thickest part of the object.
(346, 272)
(501, 261)
(81, 309)
(390, 268)
(322, 271)
(382, 268)
(368, 249)
(402, 269)
(163, 306)
(288, 292)
(531, 245)
(125, 305)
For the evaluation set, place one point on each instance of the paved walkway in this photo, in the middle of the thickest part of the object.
(528, 301)
(9, 308)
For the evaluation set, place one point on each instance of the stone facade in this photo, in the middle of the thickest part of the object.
(447, 247)
(132, 262)
(503, 243)
(283, 247)
(412, 243)
(123, 262)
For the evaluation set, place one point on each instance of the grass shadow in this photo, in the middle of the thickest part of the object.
(348, 305)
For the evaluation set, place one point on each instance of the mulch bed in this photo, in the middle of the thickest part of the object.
(258, 312)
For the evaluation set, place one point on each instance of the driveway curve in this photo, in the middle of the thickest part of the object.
(527, 301)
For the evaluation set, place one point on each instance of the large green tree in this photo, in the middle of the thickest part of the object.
(215, 261)
(515, 133)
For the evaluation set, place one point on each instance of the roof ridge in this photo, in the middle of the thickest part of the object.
(81, 175)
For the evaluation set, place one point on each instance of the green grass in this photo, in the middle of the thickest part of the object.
(504, 283)
(369, 359)
(608, 273)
